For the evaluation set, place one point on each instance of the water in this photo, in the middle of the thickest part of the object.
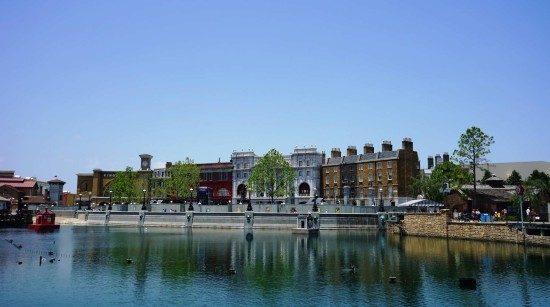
(176, 267)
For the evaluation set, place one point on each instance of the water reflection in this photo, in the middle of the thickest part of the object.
(233, 267)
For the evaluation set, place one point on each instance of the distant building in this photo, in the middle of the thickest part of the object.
(364, 179)
(504, 170)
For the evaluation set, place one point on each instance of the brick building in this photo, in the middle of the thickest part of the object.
(363, 179)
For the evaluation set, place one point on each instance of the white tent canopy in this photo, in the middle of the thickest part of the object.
(420, 203)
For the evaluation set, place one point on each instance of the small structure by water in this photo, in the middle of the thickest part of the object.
(307, 224)
(45, 221)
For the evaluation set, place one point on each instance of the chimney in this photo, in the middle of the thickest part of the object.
(445, 157)
(438, 159)
(323, 157)
(335, 153)
(407, 144)
(352, 151)
(386, 146)
(168, 165)
(430, 162)
(368, 148)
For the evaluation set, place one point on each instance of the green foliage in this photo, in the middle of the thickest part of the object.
(273, 175)
(429, 187)
(537, 188)
(473, 146)
(514, 178)
(125, 185)
(452, 174)
(183, 177)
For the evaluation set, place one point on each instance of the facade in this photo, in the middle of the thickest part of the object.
(242, 162)
(55, 191)
(20, 191)
(364, 179)
(218, 178)
(306, 163)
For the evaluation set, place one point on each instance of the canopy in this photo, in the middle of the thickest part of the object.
(420, 203)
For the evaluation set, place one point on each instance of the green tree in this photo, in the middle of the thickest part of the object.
(514, 178)
(430, 187)
(452, 174)
(183, 176)
(273, 175)
(125, 184)
(473, 147)
(537, 188)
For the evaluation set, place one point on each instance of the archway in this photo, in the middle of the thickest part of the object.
(303, 189)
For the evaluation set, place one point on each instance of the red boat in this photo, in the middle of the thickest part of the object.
(45, 221)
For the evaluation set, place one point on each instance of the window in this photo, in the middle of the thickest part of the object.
(335, 179)
(239, 175)
(245, 175)
(362, 192)
(335, 169)
(327, 193)
(370, 165)
(390, 176)
(300, 163)
(307, 162)
(390, 191)
(327, 180)
(223, 192)
(361, 178)
(360, 167)
(308, 173)
(335, 192)
(246, 165)
(327, 170)
(390, 164)
(379, 165)
(300, 173)
(352, 178)
(379, 176)
(370, 176)
(238, 166)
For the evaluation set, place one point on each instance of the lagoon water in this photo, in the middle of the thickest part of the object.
(219, 267)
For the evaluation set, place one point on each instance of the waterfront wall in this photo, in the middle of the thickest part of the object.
(223, 219)
(441, 225)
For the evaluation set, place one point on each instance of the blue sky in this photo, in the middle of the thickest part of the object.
(93, 84)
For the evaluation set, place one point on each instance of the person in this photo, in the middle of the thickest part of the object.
(528, 211)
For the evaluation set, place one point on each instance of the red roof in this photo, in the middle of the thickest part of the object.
(27, 184)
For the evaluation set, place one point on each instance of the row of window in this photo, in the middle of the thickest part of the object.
(370, 193)
(389, 165)
(361, 178)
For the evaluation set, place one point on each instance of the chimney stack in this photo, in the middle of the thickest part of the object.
(323, 157)
(438, 159)
(386, 146)
(445, 157)
(168, 165)
(407, 144)
(430, 162)
(368, 148)
(335, 153)
(352, 151)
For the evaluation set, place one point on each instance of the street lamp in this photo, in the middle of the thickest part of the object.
(143, 207)
(315, 208)
(191, 200)
(381, 204)
(249, 207)
(90, 200)
(110, 200)
(80, 201)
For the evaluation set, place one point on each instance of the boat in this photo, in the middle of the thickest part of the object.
(45, 221)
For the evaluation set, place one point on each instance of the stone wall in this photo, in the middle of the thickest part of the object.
(440, 225)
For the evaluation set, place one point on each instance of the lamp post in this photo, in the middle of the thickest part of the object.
(381, 204)
(191, 200)
(80, 201)
(143, 207)
(249, 207)
(90, 200)
(110, 200)
(315, 208)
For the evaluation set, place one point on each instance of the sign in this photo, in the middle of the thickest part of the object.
(520, 190)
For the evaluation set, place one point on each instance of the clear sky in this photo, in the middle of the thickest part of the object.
(93, 84)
